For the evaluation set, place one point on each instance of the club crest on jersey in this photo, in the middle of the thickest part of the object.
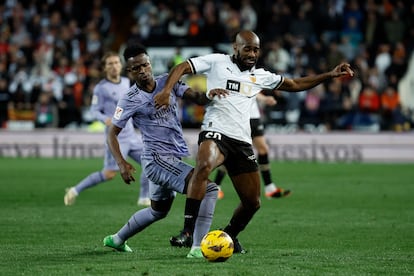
(118, 112)
(253, 78)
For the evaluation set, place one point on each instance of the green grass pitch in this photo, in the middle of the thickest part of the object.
(341, 219)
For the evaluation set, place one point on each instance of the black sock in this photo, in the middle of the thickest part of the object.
(264, 166)
(233, 228)
(239, 221)
(192, 206)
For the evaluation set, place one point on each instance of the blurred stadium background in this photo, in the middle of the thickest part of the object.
(50, 52)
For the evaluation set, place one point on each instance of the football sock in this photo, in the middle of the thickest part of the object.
(239, 221)
(192, 206)
(90, 181)
(139, 221)
(219, 176)
(205, 214)
(270, 188)
(264, 166)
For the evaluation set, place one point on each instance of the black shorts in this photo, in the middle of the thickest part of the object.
(238, 156)
(257, 127)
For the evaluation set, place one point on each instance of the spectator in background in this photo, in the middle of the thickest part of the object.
(142, 8)
(94, 43)
(277, 20)
(328, 21)
(311, 111)
(46, 113)
(213, 32)
(394, 28)
(277, 58)
(229, 19)
(347, 49)
(195, 24)
(383, 57)
(367, 117)
(398, 66)
(334, 55)
(352, 10)
(301, 29)
(69, 113)
(4, 101)
(248, 16)
(373, 30)
(392, 116)
(101, 16)
(352, 33)
(178, 27)
(336, 105)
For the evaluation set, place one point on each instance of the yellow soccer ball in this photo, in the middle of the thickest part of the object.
(217, 246)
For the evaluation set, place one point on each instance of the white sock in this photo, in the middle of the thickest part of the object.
(74, 191)
(270, 188)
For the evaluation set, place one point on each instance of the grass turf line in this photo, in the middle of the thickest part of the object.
(341, 219)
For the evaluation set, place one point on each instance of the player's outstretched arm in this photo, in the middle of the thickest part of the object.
(162, 99)
(126, 169)
(300, 84)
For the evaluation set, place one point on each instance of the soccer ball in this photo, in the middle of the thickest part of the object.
(217, 246)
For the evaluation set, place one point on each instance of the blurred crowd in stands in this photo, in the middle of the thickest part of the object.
(50, 52)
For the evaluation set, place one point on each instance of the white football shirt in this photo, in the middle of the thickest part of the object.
(255, 110)
(230, 115)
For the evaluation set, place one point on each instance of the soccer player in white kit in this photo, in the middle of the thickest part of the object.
(106, 94)
(225, 136)
(164, 148)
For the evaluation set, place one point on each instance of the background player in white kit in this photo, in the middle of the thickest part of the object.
(262, 150)
(164, 147)
(105, 97)
(225, 136)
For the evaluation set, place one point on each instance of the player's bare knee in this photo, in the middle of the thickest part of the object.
(109, 174)
(204, 169)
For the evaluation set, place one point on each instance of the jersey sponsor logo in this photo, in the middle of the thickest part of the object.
(213, 135)
(118, 112)
(242, 88)
(233, 85)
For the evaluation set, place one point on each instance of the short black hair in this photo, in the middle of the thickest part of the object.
(133, 50)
